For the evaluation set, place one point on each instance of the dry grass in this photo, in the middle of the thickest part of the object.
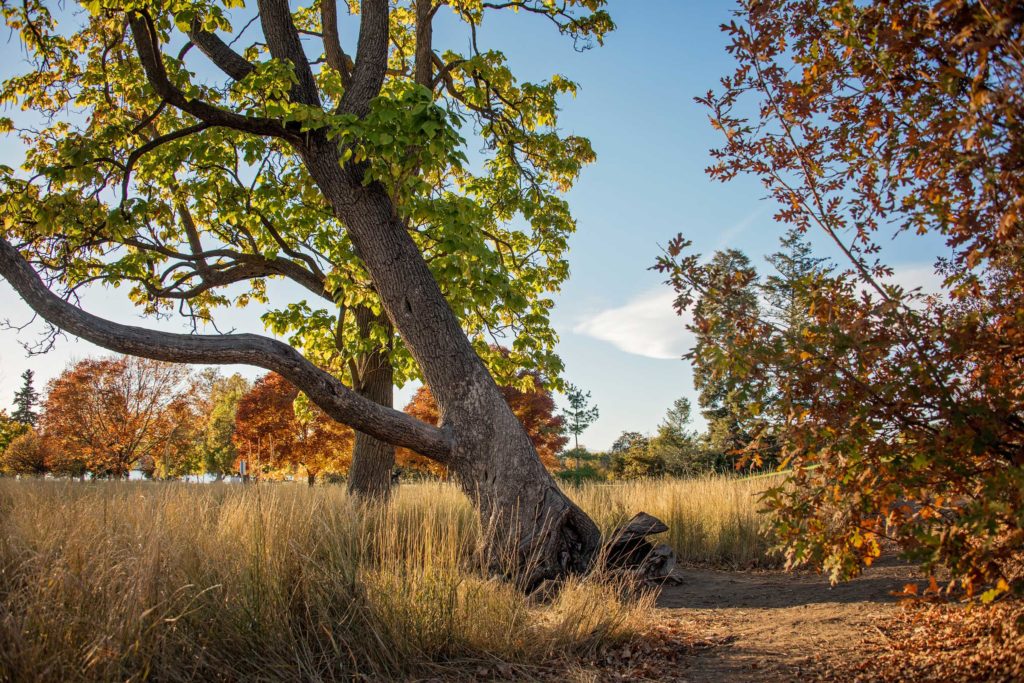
(712, 520)
(125, 581)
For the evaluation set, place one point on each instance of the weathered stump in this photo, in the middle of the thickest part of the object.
(628, 550)
(629, 555)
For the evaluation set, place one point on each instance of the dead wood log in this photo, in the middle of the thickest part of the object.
(628, 549)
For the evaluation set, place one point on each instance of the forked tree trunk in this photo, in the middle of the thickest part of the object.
(369, 477)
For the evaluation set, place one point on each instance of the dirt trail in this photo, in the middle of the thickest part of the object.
(774, 626)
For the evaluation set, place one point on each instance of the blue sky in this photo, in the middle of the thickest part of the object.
(620, 338)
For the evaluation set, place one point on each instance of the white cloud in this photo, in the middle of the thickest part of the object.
(921, 279)
(911, 276)
(645, 326)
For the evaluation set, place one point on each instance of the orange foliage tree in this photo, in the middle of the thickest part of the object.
(28, 453)
(275, 430)
(106, 415)
(899, 415)
(535, 408)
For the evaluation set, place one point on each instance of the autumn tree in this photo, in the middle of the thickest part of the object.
(265, 425)
(270, 433)
(534, 407)
(903, 413)
(345, 174)
(25, 400)
(109, 413)
(29, 454)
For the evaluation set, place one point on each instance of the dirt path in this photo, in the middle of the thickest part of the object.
(774, 626)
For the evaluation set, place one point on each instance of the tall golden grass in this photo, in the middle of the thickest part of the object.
(713, 520)
(126, 581)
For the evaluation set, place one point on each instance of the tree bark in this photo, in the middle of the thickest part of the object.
(373, 460)
(369, 476)
(532, 530)
(310, 478)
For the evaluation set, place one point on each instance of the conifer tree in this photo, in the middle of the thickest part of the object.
(25, 401)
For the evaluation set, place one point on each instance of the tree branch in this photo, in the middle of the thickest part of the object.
(147, 46)
(333, 397)
(371, 58)
(150, 146)
(336, 57)
(284, 43)
(423, 68)
(227, 60)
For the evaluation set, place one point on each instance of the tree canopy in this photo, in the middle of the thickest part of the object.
(199, 162)
(192, 215)
(900, 414)
(275, 430)
(110, 414)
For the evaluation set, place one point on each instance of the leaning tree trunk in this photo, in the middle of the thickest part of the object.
(531, 528)
(369, 476)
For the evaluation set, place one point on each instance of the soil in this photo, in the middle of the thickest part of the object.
(778, 626)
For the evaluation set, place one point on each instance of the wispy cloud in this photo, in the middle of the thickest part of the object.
(648, 326)
(645, 326)
(728, 236)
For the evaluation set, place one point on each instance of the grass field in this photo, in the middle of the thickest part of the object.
(123, 581)
(711, 520)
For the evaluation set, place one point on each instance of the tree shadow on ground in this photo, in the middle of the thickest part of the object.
(719, 589)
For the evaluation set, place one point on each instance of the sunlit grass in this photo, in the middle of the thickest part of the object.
(125, 581)
(712, 520)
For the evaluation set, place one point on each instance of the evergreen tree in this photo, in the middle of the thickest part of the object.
(725, 396)
(789, 293)
(788, 290)
(675, 444)
(578, 416)
(25, 401)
